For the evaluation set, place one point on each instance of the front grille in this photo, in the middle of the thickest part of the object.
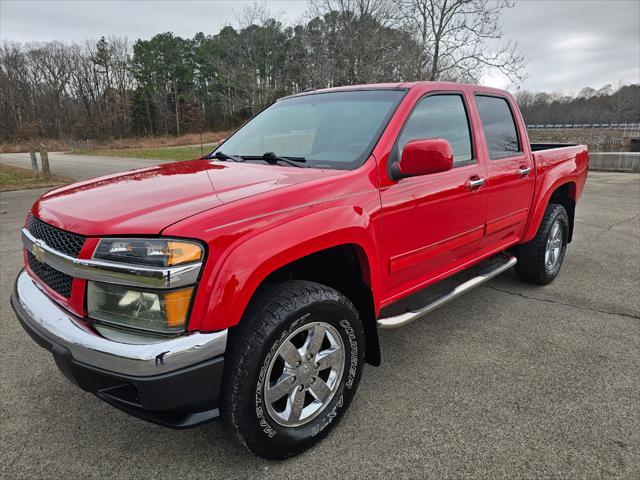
(57, 281)
(62, 241)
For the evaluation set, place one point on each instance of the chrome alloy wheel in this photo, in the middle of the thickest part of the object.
(304, 374)
(554, 246)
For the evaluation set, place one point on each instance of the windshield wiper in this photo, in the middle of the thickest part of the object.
(272, 159)
(224, 156)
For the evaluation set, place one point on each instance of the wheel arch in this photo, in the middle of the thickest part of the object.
(344, 260)
(563, 193)
(345, 268)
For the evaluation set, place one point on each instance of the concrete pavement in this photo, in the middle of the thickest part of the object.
(509, 381)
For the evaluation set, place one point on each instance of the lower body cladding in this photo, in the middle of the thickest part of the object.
(174, 382)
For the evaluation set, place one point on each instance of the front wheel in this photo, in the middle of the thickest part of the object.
(539, 260)
(294, 366)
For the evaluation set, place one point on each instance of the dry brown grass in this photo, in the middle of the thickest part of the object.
(54, 145)
(15, 178)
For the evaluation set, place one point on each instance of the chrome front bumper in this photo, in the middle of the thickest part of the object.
(42, 316)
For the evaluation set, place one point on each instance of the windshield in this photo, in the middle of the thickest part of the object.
(334, 130)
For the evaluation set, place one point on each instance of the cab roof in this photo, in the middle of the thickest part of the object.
(423, 85)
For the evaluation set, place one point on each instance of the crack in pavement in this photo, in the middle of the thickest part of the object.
(546, 300)
(608, 229)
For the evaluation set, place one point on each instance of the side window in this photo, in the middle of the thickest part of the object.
(499, 127)
(440, 116)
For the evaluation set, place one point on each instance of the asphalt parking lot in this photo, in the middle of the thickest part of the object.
(509, 381)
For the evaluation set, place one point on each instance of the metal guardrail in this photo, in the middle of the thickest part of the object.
(610, 126)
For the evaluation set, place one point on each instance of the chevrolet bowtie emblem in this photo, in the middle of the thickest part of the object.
(38, 252)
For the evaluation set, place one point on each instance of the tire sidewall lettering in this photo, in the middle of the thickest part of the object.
(353, 343)
(260, 410)
(327, 417)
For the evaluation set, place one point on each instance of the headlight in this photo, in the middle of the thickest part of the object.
(148, 251)
(152, 311)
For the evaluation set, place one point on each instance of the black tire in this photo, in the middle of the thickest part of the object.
(275, 313)
(531, 267)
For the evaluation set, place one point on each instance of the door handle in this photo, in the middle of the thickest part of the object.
(475, 182)
(524, 171)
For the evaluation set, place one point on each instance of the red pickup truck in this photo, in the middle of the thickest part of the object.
(251, 283)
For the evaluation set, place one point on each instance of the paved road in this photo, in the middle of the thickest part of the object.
(80, 167)
(509, 381)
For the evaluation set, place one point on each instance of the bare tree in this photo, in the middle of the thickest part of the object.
(461, 40)
(365, 42)
(384, 11)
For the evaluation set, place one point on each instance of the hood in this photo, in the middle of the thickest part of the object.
(144, 202)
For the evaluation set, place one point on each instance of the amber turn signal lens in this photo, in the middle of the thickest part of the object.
(155, 252)
(183, 252)
(177, 306)
(151, 310)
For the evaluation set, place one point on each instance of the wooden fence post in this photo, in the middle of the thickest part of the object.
(34, 159)
(44, 158)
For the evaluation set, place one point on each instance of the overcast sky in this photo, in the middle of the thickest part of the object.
(569, 44)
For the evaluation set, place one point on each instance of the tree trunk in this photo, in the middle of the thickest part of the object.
(175, 96)
(434, 61)
(146, 101)
(44, 159)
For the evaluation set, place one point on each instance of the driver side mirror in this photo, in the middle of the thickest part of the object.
(423, 157)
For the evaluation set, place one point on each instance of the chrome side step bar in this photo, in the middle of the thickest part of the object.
(403, 319)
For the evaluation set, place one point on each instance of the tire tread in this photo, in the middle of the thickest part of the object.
(530, 267)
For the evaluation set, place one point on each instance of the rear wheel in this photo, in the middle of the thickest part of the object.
(294, 366)
(539, 260)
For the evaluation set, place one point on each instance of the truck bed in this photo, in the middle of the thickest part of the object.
(549, 154)
(536, 147)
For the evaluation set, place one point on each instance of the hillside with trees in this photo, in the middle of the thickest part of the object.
(169, 85)
(605, 105)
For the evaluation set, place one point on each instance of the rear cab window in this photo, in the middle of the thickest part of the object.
(499, 127)
(440, 116)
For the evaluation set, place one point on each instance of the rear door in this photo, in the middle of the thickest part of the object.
(510, 172)
(433, 223)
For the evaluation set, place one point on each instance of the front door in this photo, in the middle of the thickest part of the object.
(434, 223)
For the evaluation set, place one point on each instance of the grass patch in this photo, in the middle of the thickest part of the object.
(165, 153)
(14, 178)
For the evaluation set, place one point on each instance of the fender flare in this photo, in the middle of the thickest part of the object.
(253, 257)
(541, 205)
